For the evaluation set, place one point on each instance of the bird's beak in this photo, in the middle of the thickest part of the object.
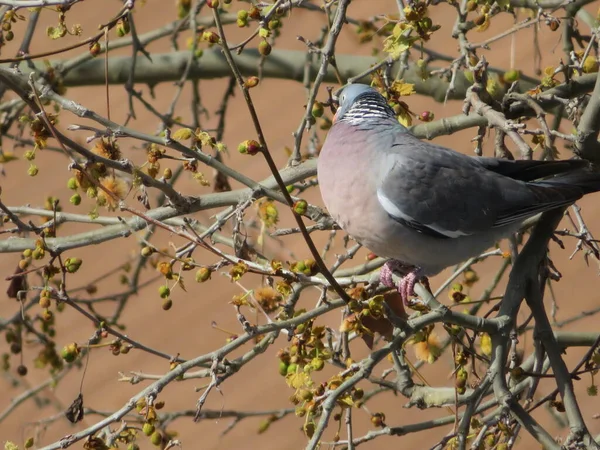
(335, 116)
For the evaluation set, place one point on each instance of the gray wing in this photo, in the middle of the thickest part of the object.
(531, 170)
(443, 193)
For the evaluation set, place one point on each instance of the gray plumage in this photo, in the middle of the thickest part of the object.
(426, 205)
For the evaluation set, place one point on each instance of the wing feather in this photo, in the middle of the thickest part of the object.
(446, 194)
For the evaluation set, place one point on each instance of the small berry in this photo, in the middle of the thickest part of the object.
(251, 82)
(512, 75)
(164, 291)
(22, 370)
(122, 27)
(148, 429)
(95, 49)
(317, 109)
(73, 264)
(91, 192)
(242, 18)
(264, 48)
(156, 438)
(249, 147)
(44, 302)
(72, 184)
(426, 116)
(203, 274)
(378, 419)
(38, 253)
(210, 36)
(75, 199)
(317, 364)
(33, 170)
(69, 352)
(274, 24)
(283, 367)
(300, 207)
(254, 13)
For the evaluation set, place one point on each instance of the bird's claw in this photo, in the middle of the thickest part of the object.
(406, 286)
(386, 273)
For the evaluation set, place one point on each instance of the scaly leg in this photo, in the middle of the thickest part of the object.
(406, 286)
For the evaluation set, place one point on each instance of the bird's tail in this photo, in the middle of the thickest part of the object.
(586, 180)
(571, 186)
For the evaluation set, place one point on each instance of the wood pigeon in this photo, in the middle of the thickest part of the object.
(423, 205)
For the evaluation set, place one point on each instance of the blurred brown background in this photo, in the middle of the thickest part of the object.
(186, 329)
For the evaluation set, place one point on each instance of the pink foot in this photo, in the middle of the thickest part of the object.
(387, 271)
(406, 286)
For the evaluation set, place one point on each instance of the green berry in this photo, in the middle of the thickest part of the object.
(75, 199)
(164, 291)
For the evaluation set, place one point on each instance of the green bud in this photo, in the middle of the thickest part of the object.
(164, 291)
(75, 199)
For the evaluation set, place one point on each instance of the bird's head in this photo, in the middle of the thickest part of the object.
(360, 103)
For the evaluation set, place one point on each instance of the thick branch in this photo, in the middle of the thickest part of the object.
(281, 64)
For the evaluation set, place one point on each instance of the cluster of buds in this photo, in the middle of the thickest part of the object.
(306, 267)
(150, 421)
(39, 132)
(249, 147)
(11, 16)
(417, 17)
(118, 347)
(359, 309)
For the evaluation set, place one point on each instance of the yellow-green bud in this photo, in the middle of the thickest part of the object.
(72, 184)
(300, 207)
(72, 264)
(164, 291)
(249, 147)
(148, 429)
(317, 109)
(33, 170)
(75, 199)
(203, 274)
(69, 352)
(264, 48)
